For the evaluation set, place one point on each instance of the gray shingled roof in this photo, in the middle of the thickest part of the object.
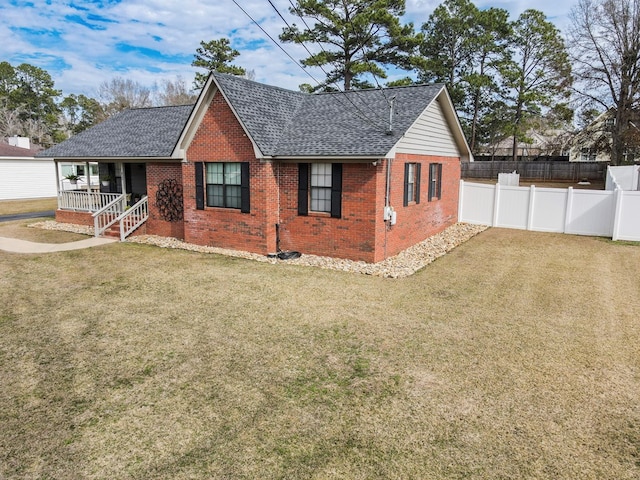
(284, 123)
(140, 132)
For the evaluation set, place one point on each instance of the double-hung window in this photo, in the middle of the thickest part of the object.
(411, 183)
(320, 192)
(222, 185)
(320, 188)
(435, 181)
(587, 155)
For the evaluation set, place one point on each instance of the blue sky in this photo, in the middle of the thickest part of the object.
(85, 42)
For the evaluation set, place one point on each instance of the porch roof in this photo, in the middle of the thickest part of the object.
(136, 133)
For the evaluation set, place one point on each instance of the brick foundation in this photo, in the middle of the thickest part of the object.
(77, 218)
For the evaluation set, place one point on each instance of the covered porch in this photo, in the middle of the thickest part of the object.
(118, 197)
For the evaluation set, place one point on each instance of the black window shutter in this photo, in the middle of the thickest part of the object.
(303, 188)
(245, 196)
(417, 184)
(336, 190)
(199, 185)
(405, 200)
(439, 192)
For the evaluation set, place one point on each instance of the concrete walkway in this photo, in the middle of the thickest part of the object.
(15, 245)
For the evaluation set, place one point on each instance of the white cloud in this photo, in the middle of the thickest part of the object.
(174, 29)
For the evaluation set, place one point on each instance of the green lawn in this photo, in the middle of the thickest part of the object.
(515, 356)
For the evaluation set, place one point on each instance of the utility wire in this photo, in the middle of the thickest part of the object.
(359, 112)
(301, 42)
(325, 52)
(322, 48)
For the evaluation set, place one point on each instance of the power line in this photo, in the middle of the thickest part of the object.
(301, 42)
(359, 113)
(322, 48)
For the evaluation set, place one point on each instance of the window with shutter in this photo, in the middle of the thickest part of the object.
(320, 188)
(435, 181)
(411, 183)
(226, 185)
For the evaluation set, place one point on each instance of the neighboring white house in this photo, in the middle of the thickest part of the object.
(593, 143)
(22, 175)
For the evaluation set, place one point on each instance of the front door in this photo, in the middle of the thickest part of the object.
(136, 175)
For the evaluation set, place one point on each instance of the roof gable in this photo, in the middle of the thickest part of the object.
(287, 124)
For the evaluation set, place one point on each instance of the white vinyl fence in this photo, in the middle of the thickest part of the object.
(614, 214)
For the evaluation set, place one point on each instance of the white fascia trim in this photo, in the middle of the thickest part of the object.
(452, 117)
(189, 131)
(256, 150)
(204, 100)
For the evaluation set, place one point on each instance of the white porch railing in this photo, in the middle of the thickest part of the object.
(84, 201)
(133, 218)
(109, 214)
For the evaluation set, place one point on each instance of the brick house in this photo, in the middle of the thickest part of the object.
(360, 175)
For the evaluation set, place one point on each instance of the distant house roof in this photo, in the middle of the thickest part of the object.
(284, 123)
(7, 150)
(281, 123)
(140, 132)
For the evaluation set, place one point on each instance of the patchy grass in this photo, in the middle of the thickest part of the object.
(516, 355)
(10, 207)
(20, 229)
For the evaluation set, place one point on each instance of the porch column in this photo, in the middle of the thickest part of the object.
(123, 179)
(57, 167)
(88, 174)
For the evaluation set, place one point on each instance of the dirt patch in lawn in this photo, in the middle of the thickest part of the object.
(516, 355)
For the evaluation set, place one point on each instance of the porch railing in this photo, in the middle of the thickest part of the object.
(133, 218)
(109, 214)
(85, 201)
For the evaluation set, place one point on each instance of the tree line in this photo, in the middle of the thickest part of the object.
(503, 75)
(31, 106)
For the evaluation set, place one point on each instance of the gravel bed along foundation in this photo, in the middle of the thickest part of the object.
(402, 265)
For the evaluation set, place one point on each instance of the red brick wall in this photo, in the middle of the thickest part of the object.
(361, 233)
(156, 225)
(77, 218)
(220, 138)
(416, 222)
(353, 235)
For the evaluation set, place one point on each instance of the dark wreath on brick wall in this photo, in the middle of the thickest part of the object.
(169, 200)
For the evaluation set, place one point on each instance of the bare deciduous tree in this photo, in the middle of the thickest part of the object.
(10, 122)
(605, 40)
(120, 93)
(174, 93)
